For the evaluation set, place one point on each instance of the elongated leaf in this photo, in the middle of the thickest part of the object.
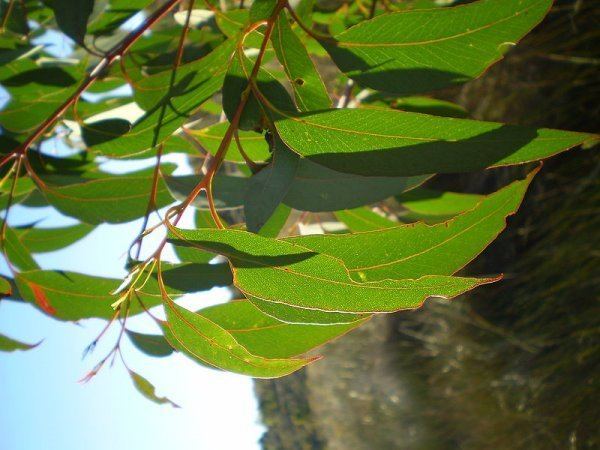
(420, 50)
(16, 253)
(10, 345)
(254, 144)
(269, 187)
(317, 188)
(150, 344)
(276, 222)
(363, 219)
(109, 198)
(420, 249)
(435, 206)
(265, 336)
(170, 108)
(283, 272)
(204, 340)
(40, 240)
(395, 143)
(302, 316)
(146, 388)
(73, 296)
(309, 90)
(262, 9)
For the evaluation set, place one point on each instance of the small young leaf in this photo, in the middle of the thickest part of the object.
(146, 388)
(10, 345)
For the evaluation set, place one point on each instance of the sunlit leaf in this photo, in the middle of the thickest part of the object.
(417, 51)
(202, 339)
(396, 143)
(10, 345)
(148, 390)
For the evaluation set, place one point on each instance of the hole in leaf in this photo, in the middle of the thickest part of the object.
(299, 81)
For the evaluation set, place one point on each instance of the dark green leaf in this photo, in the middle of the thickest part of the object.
(268, 188)
(72, 16)
(317, 188)
(150, 344)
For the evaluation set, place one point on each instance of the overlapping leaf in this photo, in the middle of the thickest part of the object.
(283, 272)
(395, 143)
(418, 51)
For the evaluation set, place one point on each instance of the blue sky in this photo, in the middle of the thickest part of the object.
(43, 407)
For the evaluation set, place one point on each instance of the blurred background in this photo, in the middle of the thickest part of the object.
(513, 366)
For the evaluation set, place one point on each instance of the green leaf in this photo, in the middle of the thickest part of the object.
(276, 222)
(264, 336)
(268, 187)
(435, 206)
(261, 10)
(202, 219)
(202, 339)
(74, 296)
(416, 250)
(417, 51)
(395, 143)
(309, 90)
(5, 288)
(293, 315)
(117, 12)
(146, 388)
(228, 191)
(70, 296)
(17, 254)
(35, 92)
(72, 19)
(108, 198)
(424, 105)
(167, 108)
(236, 83)
(283, 272)
(150, 344)
(10, 345)
(254, 144)
(316, 188)
(41, 240)
(363, 219)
